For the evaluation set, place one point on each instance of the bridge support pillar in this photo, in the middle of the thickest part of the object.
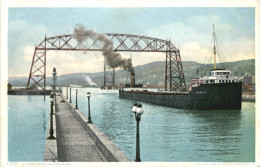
(174, 75)
(38, 69)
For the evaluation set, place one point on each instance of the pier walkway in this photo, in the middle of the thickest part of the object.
(78, 141)
(74, 143)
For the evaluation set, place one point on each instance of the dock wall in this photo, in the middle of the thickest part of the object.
(28, 92)
(51, 153)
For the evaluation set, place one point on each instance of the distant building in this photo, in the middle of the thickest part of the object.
(247, 80)
(9, 86)
(249, 84)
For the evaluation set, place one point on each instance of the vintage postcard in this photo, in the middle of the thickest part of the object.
(171, 83)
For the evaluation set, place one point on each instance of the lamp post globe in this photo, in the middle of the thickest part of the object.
(134, 108)
(139, 109)
(54, 71)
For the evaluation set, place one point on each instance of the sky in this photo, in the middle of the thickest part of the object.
(189, 29)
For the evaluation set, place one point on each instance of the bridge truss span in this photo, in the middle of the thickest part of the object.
(174, 76)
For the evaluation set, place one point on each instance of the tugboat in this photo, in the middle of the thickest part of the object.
(219, 91)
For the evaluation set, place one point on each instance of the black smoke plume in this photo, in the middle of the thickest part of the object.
(113, 58)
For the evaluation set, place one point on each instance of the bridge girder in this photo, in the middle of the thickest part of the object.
(174, 76)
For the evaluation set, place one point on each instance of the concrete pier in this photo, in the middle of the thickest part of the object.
(28, 92)
(78, 141)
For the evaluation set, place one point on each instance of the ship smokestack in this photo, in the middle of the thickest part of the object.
(132, 78)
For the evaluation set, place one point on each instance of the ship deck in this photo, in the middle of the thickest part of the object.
(156, 93)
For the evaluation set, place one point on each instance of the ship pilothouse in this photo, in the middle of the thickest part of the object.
(218, 76)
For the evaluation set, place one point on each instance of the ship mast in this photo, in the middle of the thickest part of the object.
(214, 49)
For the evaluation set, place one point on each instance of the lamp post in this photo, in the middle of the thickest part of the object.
(66, 92)
(76, 99)
(138, 111)
(70, 95)
(54, 79)
(89, 116)
(51, 117)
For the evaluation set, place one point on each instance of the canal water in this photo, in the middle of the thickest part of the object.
(28, 118)
(166, 134)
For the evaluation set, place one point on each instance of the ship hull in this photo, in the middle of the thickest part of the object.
(225, 96)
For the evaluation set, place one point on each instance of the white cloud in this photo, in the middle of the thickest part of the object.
(241, 49)
(26, 32)
(17, 25)
(19, 75)
(197, 28)
(193, 52)
(197, 22)
(68, 62)
(193, 36)
(243, 56)
(28, 53)
(140, 58)
(77, 62)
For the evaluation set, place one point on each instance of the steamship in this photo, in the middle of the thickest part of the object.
(218, 91)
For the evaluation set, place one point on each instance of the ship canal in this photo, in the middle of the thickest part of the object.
(166, 134)
(28, 118)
